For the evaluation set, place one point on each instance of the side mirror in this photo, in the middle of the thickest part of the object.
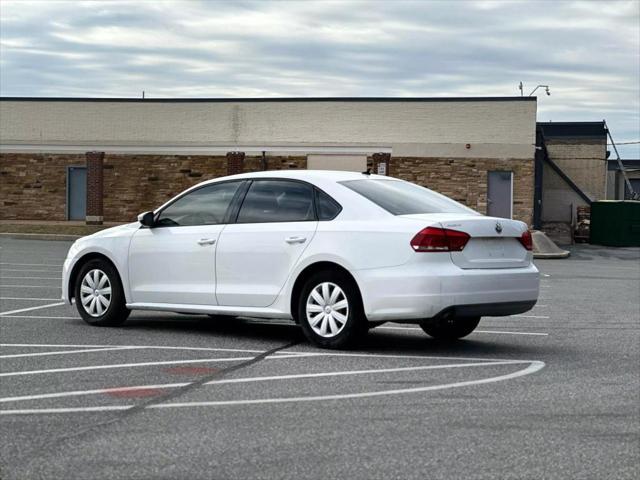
(147, 219)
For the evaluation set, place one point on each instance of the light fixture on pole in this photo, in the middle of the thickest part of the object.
(521, 88)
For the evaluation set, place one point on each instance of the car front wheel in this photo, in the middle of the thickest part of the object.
(99, 296)
(330, 310)
(450, 328)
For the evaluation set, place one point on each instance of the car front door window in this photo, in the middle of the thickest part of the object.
(205, 206)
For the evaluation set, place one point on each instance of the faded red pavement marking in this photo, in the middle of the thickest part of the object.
(187, 370)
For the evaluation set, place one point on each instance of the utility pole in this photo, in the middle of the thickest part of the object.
(633, 194)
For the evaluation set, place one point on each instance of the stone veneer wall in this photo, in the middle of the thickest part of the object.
(136, 183)
(465, 180)
(33, 186)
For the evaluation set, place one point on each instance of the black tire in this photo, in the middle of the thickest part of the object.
(352, 329)
(450, 328)
(116, 312)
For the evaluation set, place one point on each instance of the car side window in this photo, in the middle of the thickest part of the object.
(277, 201)
(204, 206)
(327, 207)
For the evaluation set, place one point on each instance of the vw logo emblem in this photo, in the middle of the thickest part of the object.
(498, 227)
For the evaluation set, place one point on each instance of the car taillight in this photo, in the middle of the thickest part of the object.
(432, 239)
(526, 240)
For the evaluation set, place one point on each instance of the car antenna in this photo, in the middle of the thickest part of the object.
(367, 172)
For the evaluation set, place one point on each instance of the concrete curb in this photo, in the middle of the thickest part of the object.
(544, 247)
(40, 236)
(563, 254)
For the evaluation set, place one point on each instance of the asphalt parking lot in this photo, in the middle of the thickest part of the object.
(553, 393)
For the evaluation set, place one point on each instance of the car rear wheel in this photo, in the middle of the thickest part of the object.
(99, 295)
(450, 328)
(330, 310)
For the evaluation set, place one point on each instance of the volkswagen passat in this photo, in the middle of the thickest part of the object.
(338, 252)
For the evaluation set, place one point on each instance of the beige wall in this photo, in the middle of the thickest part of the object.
(559, 201)
(584, 161)
(492, 129)
(353, 163)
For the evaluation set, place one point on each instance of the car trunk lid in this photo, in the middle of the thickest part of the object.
(494, 242)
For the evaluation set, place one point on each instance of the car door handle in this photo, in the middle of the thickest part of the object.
(206, 241)
(295, 239)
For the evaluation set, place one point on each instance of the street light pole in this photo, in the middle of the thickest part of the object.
(546, 89)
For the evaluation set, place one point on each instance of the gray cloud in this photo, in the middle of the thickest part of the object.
(587, 51)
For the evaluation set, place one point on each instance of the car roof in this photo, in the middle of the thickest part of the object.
(326, 180)
(308, 175)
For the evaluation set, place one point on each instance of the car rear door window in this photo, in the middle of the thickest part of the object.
(327, 207)
(277, 201)
(205, 206)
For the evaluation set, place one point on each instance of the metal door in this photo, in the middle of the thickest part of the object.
(76, 193)
(500, 194)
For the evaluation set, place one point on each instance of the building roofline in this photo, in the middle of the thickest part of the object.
(594, 130)
(601, 122)
(268, 99)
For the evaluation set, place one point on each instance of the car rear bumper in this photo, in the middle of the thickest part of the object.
(427, 289)
(487, 309)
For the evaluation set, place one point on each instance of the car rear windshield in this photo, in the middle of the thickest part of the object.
(404, 198)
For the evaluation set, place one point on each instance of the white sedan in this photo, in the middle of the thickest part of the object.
(338, 252)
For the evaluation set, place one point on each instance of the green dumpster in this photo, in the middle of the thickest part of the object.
(615, 223)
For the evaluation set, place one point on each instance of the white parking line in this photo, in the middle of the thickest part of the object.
(532, 368)
(78, 393)
(142, 364)
(66, 410)
(322, 353)
(159, 347)
(32, 264)
(361, 372)
(31, 270)
(27, 298)
(39, 316)
(30, 286)
(63, 352)
(529, 316)
(31, 308)
(257, 379)
(4, 277)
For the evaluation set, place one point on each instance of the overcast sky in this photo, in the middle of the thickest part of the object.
(587, 51)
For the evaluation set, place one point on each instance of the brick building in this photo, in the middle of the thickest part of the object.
(109, 159)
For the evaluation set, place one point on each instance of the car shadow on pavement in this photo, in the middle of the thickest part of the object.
(237, 328)
(378, 340)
